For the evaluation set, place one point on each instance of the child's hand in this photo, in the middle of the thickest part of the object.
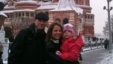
(58, 53)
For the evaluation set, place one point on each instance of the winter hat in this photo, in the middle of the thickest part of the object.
(42, 16)
(68, 27)
(68, 24)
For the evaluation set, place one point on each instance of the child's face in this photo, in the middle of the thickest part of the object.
(67, 34)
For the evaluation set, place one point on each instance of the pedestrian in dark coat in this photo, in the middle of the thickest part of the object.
(53, 41)
(106, 44)
(29, 44)
(1, 52)
(11, 40)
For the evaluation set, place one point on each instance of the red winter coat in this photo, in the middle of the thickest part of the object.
(71, 48)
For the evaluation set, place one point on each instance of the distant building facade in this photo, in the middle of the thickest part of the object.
(21, 13)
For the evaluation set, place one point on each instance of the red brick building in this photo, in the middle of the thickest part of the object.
(21, 13)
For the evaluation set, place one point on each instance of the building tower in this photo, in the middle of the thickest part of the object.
(78, 12)
(88, 17)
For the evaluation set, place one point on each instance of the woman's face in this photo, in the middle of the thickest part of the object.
(56, 32)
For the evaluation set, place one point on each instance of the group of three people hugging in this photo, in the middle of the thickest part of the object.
(63, 44)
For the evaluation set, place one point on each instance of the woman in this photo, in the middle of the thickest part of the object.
(53, 40)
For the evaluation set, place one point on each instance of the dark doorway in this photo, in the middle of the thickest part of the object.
(65, 21)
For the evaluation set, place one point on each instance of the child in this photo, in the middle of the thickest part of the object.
(71, 46)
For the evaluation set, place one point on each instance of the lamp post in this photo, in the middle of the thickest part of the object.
(110, 33)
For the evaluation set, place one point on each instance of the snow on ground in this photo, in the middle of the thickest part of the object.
(107, 59)
(91, 48)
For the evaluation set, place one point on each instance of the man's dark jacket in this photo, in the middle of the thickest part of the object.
(28, 47)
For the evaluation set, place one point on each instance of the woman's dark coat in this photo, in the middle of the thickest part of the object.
(52, 58)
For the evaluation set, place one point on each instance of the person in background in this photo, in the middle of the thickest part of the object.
(54, 40)
(29, 44)
(1, 52)
(11, 40)
(71, 46)
(106, 44)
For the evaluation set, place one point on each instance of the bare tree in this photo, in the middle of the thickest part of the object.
(19, 23)
(106, 28)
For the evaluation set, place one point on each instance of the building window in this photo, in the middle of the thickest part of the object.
(58, 20)
(19, 14)
(85, 16)
(27, 14)
(16, 14)
(22, 13)
(88, 16)
(32, 14)
(91, 17)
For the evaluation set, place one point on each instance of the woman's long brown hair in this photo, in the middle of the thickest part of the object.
(49, 32)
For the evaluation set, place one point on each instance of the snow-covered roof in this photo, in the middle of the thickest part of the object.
(89, 13)
(8, 11)
(47, 3)
(26, 10)
(85, 6)
(47, 7)
(23, 10)
(9, 7)
(67, 5)
(24, 2)
(2, 14)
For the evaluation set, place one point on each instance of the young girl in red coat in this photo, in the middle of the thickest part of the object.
(71, 46)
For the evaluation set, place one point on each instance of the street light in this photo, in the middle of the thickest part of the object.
(110, 33)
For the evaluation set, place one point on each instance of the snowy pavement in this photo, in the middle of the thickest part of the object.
(108, 59)
(91, 48)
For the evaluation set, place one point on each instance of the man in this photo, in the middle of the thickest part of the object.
(29, 44)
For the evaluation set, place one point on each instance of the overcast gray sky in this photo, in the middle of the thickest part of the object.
(100, 14)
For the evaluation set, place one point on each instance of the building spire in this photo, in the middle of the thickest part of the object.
(63, 4)
(68, 5)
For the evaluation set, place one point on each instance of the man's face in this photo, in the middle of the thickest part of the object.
(40, 24)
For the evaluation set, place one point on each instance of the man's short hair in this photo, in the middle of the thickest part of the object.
(42, 16)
